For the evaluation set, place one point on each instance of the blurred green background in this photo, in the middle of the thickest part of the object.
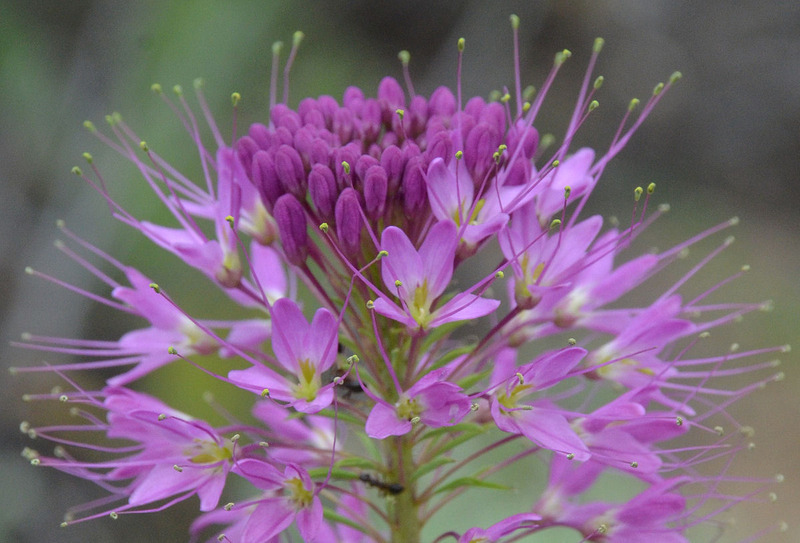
(725, 142)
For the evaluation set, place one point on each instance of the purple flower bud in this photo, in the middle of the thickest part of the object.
(474, 107)
(289, 168)
(391, 98)
(323, 190)
(527, 135)
(416, 116)
(348, 222)
(328, 106)
(440, 145)
(265, 179)
(343, 124)
(375, 187)
(415, 192)
(495, 115)
(282, 137)
(319, 153)
(353, 99)
(349, 153)
(282, 116)
(303, 141)
(442, 103)
(370, 120)
(393, 162)
(291, 220)
(246, 147)
(263, 136)
(482, 142)
(364, 163)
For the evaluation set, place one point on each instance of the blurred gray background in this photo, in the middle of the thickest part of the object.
(725, 142)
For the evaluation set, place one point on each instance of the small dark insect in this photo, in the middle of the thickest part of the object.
(388, 488)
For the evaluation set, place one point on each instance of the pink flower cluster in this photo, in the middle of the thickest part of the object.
(342, 230)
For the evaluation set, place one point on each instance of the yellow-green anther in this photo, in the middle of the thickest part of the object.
(398, 283)
(229, 220)
(567, 191)
(198, 83)
(370, 304)
(172, 350)
(502, 147)
(500, 274)
(637, 193)
(143, 146)
(162, 416)
(382, 254)
(346, 167)
(178, 90)
(598, 45)
(528, 92)
(404, 56)
(594, 104)
(562, 56)
(651, 188)
(297, 37)
(156, 88)
(87, 157)
(277, 47)
(505, 98)
(155, 287)
(514, 21)
(555, 163)
(555, 224)
(77, 171)
(89, 125)
(675, 77)
(633, 104)
(598, 82)
(461, 43)
(658, 88)
(235, 98)
(459, 155)
(110, 119)
(400, 113)
(526, 107)
(324, 227)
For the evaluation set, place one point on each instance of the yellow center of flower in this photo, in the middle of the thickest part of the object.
(299, 495)
(209, 452)
(420, 306)
(309, 382)
(408, 408)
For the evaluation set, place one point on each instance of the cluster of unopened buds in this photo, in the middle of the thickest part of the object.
(421, 303)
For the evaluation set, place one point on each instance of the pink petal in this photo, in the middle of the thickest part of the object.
(383, 422)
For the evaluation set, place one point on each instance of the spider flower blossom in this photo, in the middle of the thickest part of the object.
(340, 230)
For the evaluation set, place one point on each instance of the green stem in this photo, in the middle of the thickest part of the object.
(404, 512)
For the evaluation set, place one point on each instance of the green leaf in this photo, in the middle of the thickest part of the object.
(335, 517)
(356, 462)
(470, 481)
(338, 474)
(466, 427)
(430, 466)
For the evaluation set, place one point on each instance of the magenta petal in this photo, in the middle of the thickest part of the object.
(437, 253)
(402, 263)
(289, 330)
(444, 192)
(309, 520)
(321, 344)
(270, 518)
(463, 307)
(383, 422)
(210, 491)
(394, 312)
(552, 431)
